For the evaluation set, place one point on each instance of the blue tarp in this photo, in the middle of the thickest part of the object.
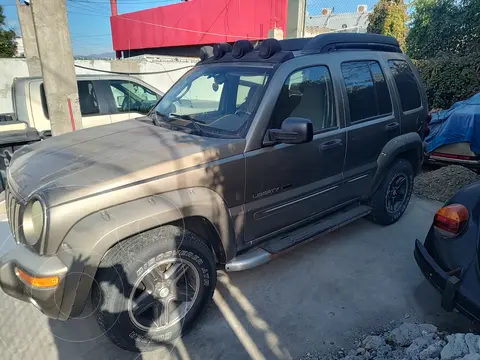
(460, 123)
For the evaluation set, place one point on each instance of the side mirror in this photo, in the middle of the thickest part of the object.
(294, 131)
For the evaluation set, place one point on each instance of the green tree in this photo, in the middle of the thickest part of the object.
(389, 17)
(8, 46)
(443, 26)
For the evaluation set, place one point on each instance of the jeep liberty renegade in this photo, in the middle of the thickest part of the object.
(252, 152)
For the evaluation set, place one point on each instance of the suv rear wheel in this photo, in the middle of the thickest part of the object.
(150, 289)
(392, 197)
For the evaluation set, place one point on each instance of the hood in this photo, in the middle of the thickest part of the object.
(105, 157)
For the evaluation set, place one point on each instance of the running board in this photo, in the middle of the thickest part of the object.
(277, 245)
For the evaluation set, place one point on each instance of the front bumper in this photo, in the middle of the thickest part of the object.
(450, 286)
(47, 300)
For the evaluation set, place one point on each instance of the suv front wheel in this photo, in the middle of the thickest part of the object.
(393, 195)
(151, 288)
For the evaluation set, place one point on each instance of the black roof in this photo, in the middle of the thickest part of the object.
(323, 43)
(344, 41)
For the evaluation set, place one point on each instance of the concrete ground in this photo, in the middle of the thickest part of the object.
(319, 297)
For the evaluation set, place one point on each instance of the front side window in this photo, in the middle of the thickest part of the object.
(132, 97)
(218, 99)
(406, 84)
(367, 90)
(307, 93)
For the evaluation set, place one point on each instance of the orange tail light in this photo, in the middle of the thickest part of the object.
(451, 220)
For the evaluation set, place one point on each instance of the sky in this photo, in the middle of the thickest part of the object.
(90, 24)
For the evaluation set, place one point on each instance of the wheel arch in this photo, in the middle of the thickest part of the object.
(408, 147)
(199, 210)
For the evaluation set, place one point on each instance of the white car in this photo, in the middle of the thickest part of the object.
(104, 99)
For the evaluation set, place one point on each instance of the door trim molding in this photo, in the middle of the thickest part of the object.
(268, 212)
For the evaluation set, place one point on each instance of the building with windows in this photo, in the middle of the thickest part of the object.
(338, 22)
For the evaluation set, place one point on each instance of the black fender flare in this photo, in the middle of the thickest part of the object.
(110, 226)
(394, 149)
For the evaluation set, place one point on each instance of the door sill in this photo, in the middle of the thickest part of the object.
(287, 241)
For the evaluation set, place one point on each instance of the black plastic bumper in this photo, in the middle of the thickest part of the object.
(47, 300)
(453, 296)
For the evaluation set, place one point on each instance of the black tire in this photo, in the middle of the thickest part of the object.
(127, 263)
(382, 213)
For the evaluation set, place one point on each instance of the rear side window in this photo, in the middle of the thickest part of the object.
(88, 98)
(86, 95)
(406, 84)
(368, 94)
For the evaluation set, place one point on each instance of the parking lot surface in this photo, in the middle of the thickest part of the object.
(319, 297)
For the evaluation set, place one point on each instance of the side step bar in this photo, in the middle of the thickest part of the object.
(273, 247)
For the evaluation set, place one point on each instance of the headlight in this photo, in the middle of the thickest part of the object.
(33, 219)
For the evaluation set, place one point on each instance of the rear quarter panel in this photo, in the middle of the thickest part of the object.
(462, 250)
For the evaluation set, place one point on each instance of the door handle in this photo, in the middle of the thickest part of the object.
(331, 144)
(392, 126)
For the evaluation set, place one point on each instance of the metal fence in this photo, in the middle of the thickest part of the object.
(323, 16)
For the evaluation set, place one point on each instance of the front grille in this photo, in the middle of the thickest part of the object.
(13, 213)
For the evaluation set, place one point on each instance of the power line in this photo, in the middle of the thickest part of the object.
(79, 13)
(88, 8)
(171, 27)
(85, 36)
(187, 30)
(131, 73)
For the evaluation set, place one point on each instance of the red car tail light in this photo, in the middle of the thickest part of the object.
(451, 220)
(454, 156)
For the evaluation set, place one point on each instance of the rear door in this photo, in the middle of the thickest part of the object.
(413, 102)
(371, 119)
(93, 104)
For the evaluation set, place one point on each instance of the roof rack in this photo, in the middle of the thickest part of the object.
(274, 51)
(325, 43)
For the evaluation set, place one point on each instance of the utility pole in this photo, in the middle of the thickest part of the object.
(296, 18)
(29, 39)
(56, 59)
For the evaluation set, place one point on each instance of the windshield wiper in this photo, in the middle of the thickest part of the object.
(197, 129)
(187, 117)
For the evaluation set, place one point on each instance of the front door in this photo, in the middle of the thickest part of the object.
(131, 99)
(291, 184)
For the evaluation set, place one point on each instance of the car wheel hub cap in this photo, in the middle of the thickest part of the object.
(164, 294)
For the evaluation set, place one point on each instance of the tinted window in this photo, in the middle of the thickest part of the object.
(88, 98)
(406, 84)
(383, 95)
(307, 93)
(368, 94)
(86, 95)
(130, 96)
(44, 100)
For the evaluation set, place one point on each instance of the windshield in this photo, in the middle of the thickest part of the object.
(217, 99)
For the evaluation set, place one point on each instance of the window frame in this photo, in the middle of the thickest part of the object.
(410, 111)
(349, 121)
(104, 84)
(334, 99)
(103, 105)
